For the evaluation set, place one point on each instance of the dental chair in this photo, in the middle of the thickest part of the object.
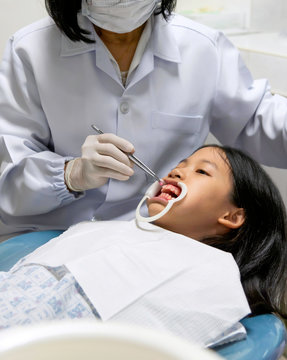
(266, 334)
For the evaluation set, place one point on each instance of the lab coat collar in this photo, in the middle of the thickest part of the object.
(71, 48)
(103, 60)
(164, 43)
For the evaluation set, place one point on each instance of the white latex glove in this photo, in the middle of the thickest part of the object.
(103, 157)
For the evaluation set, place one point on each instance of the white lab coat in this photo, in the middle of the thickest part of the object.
(190, 81)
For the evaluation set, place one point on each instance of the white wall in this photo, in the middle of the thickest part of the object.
(262, 15)
(220, 14)
(212, 4)
(15, 14)
(268, 15)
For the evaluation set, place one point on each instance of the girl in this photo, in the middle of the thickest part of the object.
(256, 235)
(176, 274)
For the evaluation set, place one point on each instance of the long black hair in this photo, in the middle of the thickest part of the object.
(259, 246)
(64, 13)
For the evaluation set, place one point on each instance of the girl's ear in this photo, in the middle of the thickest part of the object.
(233, 219)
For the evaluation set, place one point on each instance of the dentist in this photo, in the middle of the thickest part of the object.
(155, 82)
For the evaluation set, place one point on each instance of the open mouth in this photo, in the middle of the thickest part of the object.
(169, 191)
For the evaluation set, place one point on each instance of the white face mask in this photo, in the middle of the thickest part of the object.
(119, 16)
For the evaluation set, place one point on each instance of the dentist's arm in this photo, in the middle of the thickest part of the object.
(244, 112)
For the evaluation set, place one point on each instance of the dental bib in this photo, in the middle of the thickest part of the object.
(151, 192)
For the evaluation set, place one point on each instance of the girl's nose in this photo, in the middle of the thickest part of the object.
(175, 173)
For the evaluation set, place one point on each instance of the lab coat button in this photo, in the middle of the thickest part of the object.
(124, 107)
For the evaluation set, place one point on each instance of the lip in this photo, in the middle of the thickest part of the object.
(161, 200)
(157, 200)
(171, 182)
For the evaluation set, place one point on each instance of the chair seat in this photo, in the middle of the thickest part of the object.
(266, 334)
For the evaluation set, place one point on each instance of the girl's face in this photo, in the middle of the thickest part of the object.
(209, 182)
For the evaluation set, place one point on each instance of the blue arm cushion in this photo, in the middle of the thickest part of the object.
(266, 340)
(17, 247)
(266, 335)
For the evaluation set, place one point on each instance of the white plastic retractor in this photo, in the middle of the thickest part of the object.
(151, 192)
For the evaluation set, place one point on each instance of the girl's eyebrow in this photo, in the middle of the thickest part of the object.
(213, 164)
(182, 161)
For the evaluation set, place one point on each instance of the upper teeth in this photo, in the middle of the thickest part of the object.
(171, 188)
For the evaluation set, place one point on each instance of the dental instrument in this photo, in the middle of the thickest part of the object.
(136, 161)
(153, 191)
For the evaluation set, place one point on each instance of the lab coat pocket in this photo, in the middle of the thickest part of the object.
(188, 124)
(175, 137)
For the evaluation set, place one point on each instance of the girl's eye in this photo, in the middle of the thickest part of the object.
(201, 171)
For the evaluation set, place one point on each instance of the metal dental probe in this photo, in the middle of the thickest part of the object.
(136, 161)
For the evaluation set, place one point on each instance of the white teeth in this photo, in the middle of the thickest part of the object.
(171, 189)
(165, 196)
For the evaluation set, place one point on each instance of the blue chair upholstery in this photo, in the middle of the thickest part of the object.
(266, 335)
(15, 248)
(266, 340)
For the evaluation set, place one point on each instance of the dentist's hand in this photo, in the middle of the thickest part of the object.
(103, 157)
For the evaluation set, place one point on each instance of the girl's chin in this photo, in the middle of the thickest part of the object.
(157, 200)
(155, 207)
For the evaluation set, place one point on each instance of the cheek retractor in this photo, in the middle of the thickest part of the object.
(151, 192)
